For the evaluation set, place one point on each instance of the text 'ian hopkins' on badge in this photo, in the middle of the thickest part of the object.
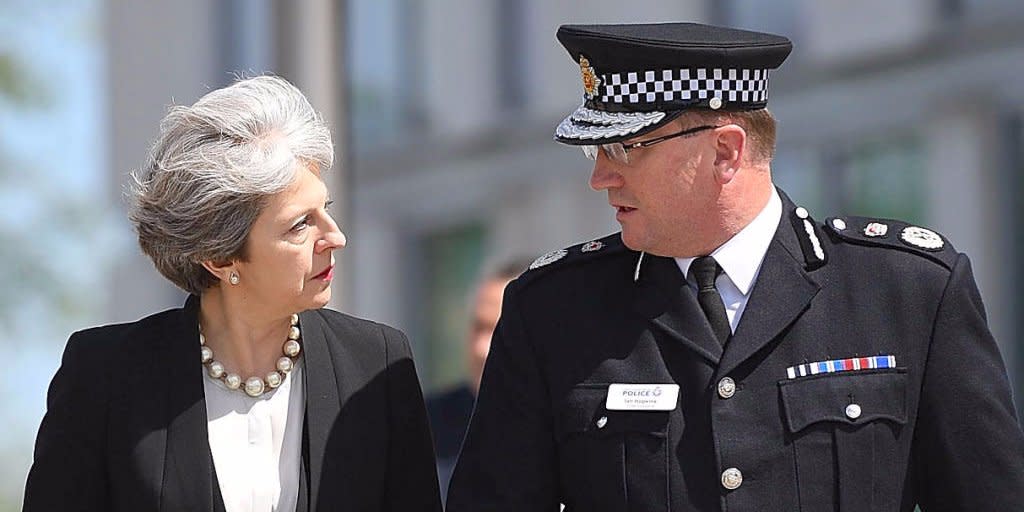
(642, 397)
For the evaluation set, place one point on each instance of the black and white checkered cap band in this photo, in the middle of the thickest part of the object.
(685, 85)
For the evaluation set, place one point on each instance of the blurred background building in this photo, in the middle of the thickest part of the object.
(443, 113)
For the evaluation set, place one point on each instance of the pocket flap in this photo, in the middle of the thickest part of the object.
(877, 395)
(583, 410)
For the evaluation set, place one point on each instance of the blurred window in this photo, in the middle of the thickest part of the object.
(876, 178)
(990, 10)
(777, 17)
(248, 36)
(383, 69)
(511, 59)
(799, 173)
(886, 178)
(451, 265)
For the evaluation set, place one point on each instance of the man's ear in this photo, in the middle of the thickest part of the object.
(730, 143)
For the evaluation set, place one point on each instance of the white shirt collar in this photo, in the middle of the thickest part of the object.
(741, 256)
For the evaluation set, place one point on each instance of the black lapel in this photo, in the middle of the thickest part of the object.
(218, 499)
(323, 404)
(783, 291)
(188, 470)
(302, 501)
(663, 297)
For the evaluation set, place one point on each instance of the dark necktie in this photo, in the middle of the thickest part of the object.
(705, 269)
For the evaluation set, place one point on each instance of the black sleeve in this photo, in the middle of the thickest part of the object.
(508, 460)
(412, 474)
(69, 470)
(968, 445)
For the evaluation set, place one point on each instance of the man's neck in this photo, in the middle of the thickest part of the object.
(736, 208)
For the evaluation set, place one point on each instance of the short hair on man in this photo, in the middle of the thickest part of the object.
(759, 124)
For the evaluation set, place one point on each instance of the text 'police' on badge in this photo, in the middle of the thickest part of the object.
(642, 397)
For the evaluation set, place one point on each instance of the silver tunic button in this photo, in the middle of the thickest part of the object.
(732, 478)
(726, 388)
(853, 411)
(602, 421)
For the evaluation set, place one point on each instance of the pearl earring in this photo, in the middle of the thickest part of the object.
(233, 278)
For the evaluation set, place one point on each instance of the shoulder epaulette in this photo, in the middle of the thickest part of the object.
(895, 235)
(573, 255)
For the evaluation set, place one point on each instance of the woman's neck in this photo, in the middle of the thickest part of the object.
(247, 342)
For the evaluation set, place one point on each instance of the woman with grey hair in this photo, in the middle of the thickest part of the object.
(251, 397)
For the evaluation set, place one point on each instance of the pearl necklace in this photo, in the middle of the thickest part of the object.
(256, 386)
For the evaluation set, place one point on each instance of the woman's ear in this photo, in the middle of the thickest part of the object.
(225, 271)
(730, 143)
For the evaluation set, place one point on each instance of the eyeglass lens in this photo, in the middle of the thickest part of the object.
(615, 151)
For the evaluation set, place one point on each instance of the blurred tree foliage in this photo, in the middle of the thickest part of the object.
(32, 241)
(52, 227)
(17, 86)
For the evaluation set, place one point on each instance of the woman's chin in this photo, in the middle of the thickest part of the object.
(321, 299)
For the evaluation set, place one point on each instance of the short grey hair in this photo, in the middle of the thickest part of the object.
(212, 169)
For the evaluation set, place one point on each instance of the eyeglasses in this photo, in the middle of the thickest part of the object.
(619, 152)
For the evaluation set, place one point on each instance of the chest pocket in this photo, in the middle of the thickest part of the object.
(611, 460)
(845, 429)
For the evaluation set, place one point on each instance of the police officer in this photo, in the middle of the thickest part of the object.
(726, 351)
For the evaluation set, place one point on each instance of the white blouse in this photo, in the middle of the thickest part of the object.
(257, 443)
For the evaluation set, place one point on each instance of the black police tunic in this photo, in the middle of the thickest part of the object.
(924, 416)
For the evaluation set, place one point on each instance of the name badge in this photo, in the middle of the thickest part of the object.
(642, 397)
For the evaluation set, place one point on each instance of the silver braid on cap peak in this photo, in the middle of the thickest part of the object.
(589, 124)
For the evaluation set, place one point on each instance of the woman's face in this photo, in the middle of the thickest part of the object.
(290, 249)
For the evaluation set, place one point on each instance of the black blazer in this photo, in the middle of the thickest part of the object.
(937, 430)
(125, 427)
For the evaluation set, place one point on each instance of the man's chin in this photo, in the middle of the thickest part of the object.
(633, 241)
(640, 243)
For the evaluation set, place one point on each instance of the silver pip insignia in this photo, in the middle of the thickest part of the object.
(876, 229)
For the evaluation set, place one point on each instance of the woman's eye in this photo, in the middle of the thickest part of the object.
(302, 224)
(328, 204)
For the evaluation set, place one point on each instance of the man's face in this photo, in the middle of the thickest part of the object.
(486, 310)
(666, 193)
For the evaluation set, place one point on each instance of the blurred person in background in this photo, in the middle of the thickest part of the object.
(449, 410)
(251, 397)
(725, 351)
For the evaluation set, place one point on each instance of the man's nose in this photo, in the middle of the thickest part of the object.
(605, 174)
